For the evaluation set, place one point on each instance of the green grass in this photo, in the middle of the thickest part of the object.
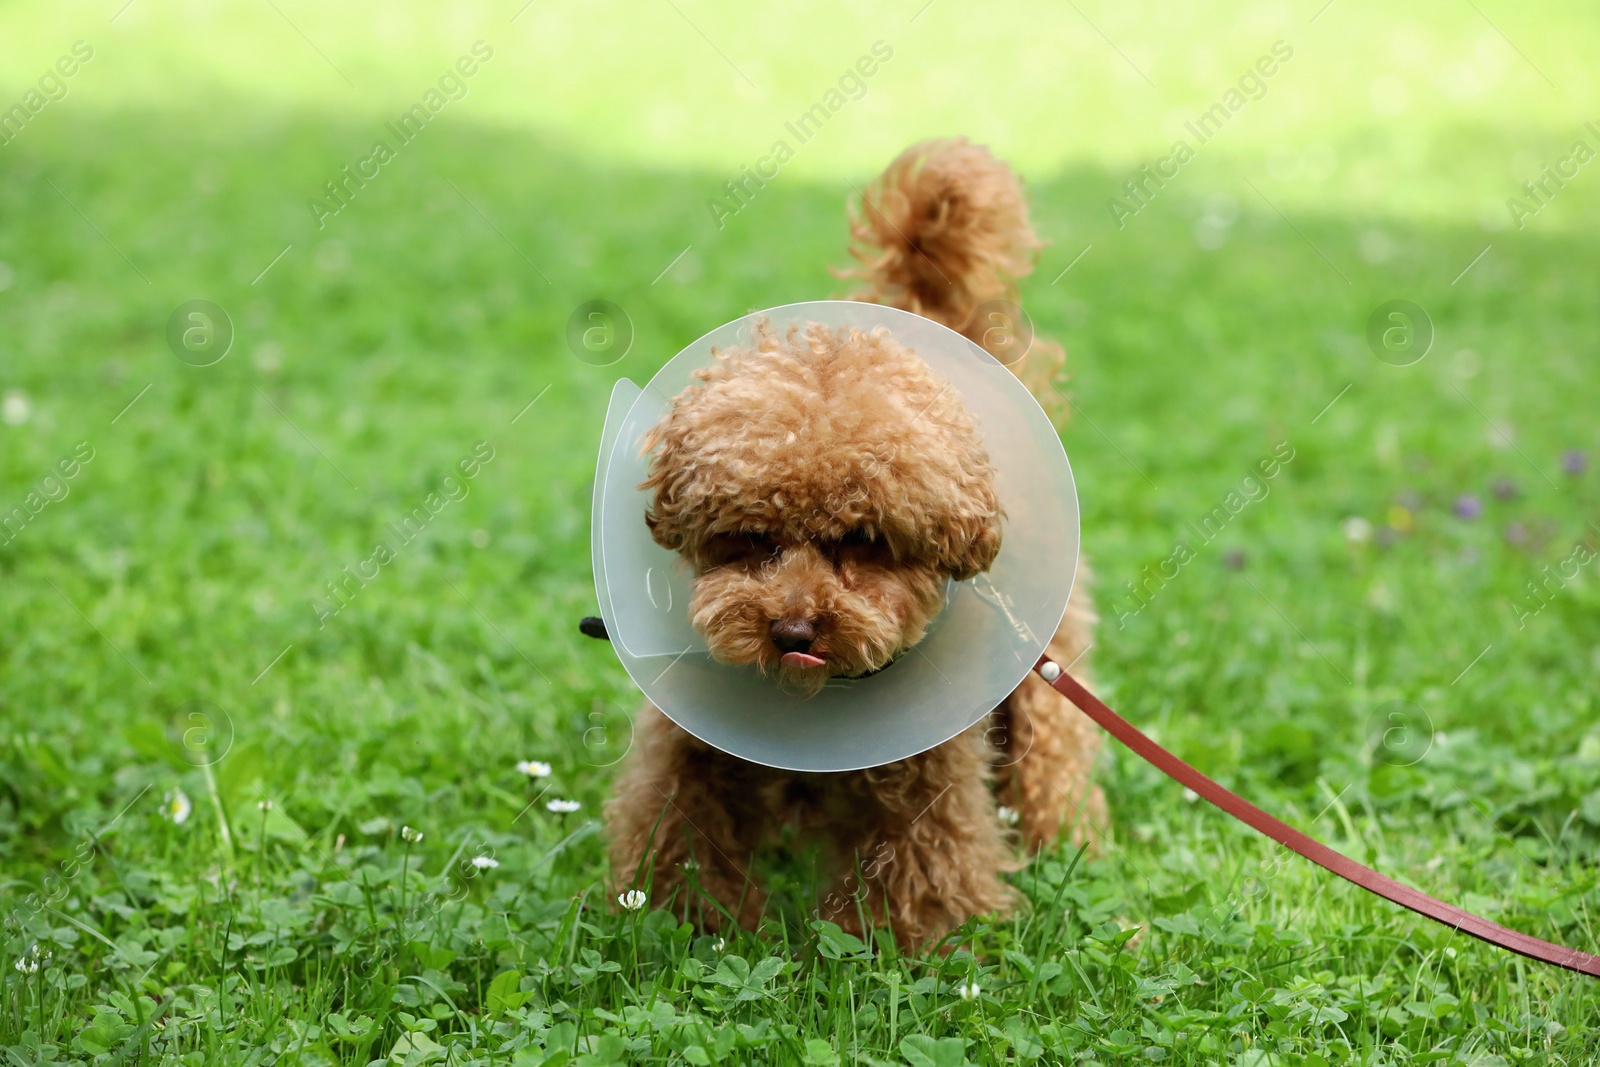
(424, 319)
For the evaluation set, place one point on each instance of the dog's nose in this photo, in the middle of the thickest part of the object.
(793, 635)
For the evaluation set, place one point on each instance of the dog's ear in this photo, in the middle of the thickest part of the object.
(973, 542)
(679, 486)
(664, 514)
(666, 531)
(970, 527)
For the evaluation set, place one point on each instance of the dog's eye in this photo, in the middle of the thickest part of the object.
(856, 543)
(739, 548)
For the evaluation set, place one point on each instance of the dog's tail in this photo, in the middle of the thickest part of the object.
(944, 233)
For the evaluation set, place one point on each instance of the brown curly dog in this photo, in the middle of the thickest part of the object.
(823, 485)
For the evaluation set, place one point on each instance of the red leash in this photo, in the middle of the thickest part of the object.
(1309, 847)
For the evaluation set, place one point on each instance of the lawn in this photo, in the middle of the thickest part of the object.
(255, 810)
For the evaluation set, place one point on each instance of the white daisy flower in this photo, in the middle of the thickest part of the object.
(34, 960)
(562, 807)
(969, 991)
(16, 408)
(632, 900)
(1007, 815)
(533, 768)
(1357, 530)
(175, 806)
(409, 835)
(485, 863)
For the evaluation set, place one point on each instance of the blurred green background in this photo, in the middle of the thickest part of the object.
(371, 353)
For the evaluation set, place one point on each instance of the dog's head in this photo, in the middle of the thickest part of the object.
(822, 485)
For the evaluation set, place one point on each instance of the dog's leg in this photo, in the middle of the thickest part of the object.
(1048, 747)
(922, 843)
(681, 806)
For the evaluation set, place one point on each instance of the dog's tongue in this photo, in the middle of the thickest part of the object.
(802, 659)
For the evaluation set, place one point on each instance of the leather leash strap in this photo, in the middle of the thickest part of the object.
(1309, 847)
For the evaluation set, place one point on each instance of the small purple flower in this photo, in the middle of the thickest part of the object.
(1234, 560)
(1574, 461)
(1505, 489)
(1516, 533)
(1468, 507)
